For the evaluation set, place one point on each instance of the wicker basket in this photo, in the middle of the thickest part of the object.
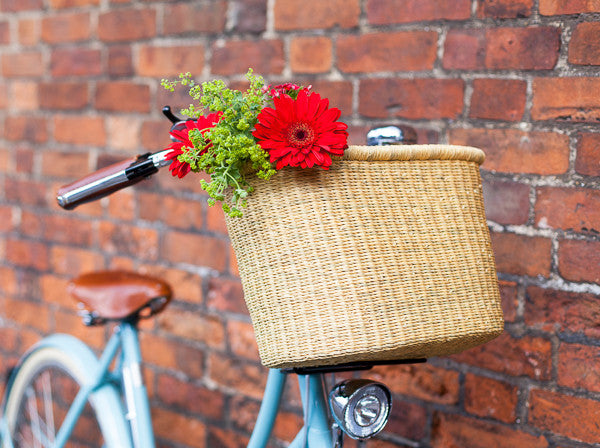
(386, 256)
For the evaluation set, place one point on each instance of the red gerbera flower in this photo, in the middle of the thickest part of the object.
(302, 132)
(183, 143)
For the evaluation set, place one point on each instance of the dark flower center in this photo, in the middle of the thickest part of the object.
(300, 134)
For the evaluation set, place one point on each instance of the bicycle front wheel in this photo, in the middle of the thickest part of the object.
(41, 392)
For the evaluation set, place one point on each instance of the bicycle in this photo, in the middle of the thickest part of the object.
(110, 389)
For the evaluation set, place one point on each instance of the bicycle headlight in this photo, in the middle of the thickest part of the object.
(360, 407)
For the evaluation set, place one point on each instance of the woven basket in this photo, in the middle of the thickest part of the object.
(385, 256)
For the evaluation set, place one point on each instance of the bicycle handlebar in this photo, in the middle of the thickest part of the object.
(112, 178)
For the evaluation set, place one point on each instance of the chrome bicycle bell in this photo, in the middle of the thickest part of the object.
(360, 407)
(391, 135)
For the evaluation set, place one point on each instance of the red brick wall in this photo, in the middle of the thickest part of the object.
(518, 78)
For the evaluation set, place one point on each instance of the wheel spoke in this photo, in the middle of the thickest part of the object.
(48, 407)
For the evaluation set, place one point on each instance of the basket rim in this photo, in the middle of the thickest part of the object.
(413, 152)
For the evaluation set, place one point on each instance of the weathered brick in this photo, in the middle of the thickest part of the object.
(53, 288)
(588, 162)
(458, 431)
(422, 381)
(498, 99)
(129, 240)
(79, 130)
(174, 212)
(566, 99)
(311, 54)
(286, 425)
(72, 261)
(584, 48)
(486, 397)
(20, 5)
(504, 9)
(339, 94)
(553, 310)
(226, 295)
(506, 202)
(386, 12)
(558, 7)
(579, 367)
(575, 209)
(579, 261)
(25, 191)
(26, 253)
(528, 356)
(70, 27)
(190, 431)
(63, 95)
(29, 31)
(63, 164)
(4, 32)
(204, 328)
(515, 151)
(155, 133)
(123, 133)
(225, 438)
(62, 4)
(170, 61)
(27, 128)
(510, 301)
(215, 219)
(75, 62)
(127, 25)
(123, 206)
(248, 16)
(562, 414)
(522, 255)
(28, 314)
(464, 49)
(172, 354)
(190, 397)
(25, 95)
(7, 218)
(120, 62)
(411, 98)
(195, 18)
(205, 250)
(241, 339)
(246, 378)
(70, 323)
(375, 52)
(23, 64)
(408, 420)
(310, 14)
(236, 56)
(122, 96)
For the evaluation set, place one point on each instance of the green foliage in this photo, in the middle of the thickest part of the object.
(234, 152)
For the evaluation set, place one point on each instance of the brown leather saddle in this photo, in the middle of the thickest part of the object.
(119, 295)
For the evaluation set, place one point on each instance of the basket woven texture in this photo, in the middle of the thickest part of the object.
(385, 256)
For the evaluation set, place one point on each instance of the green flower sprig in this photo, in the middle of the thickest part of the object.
(230, 149)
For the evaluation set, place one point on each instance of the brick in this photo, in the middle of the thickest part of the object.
(215, 220)
(23, 64)
(204, 328)
(242, 342)
(155, 134)
(486, 397)
(562, 414)
(584, 48)
(26, 128)
(504, 9)
(71, 323)
(311, 54)
(62, 4)
(339, 94)
(127, 25)
(189, 397)
(587, 161)
(510, 300)
(198, 250)
(27, 313)
(139, 242)
(515, 151)
(25, 95)
(70, 27)
(226, 295)
(411, 98)
(249, 16)
(175, 212)
(579, 367)
(75, 62)
(190, 431)
(559, 7)
(4, 32)
(122, 96)
(64, 95)
(422, 381)
(63, 164)
(407, 420)
(53, 290)
(236, 56)
(528, 356)
(224, 438)
(24, 191)
(286, 425)
(74, 261)
(454, 431)
(79, 130)
(566, 99)
(246, 378)
(29, 31)
(170, 61)
(532, 48)
(195, 18)
(6, 218)
(376, 52)
(575, 209)
(187, 286)
(172, 355)
(579, 261)
(386, 12)
(506, 202)
(522, 255)
(311, 14)
(120, 62)
(9, 338)
(561, 311)
(123, 205)
(123, 133)
(498, 99)
(25, 253)
(20, 5)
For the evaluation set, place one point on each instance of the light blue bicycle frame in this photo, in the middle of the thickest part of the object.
(316, 432)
